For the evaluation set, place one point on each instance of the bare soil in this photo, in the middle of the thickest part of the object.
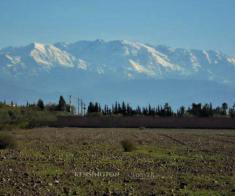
(82, 161)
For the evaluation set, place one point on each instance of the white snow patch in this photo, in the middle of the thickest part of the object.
(40, 47)
(129, 75)
(10, 65)
(14, 60)
(135, 45)
(158, 58)
(140, 69)
(207, 56)
(231, 60)
(82, 64)
(100, 70)
(195, 63)
(49, 56)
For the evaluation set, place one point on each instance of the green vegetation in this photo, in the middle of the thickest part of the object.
(7, 141)
(128, 145)
(41, 114)
(76, 161)
(31, 115)
(72, 161)
(198, 110)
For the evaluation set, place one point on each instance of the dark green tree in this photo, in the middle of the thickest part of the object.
(62, 104)
(224, 108)
(90, 108)
(40, 104)
(167, 110)
(181, 112)
(232, 111)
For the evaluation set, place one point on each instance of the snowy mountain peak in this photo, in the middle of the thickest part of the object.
(49, 56)
(38, 46)
(119, 58)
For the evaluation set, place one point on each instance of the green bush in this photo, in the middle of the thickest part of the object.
(4, 117)
(40, 119)
(7, 141)
(23, 125)
(6, 127)
(26, 118)
(128, 145)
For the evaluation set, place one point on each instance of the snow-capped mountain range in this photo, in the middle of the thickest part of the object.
(131, 60)
(117, 61)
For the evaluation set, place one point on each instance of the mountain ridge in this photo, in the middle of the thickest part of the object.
(134, 59)
(135, 71)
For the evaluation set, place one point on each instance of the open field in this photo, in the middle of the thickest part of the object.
(82, 161)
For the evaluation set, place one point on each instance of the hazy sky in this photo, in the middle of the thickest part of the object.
(202, 24)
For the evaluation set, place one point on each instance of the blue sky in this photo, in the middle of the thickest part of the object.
(201, 24)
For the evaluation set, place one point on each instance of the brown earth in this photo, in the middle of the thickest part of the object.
(82, 161)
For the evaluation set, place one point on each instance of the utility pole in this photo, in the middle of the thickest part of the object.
(81, 107)
(78, 105)
(70, 103)
(84, 108)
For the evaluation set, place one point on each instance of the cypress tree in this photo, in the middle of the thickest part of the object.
(62, 104)
(40, 104)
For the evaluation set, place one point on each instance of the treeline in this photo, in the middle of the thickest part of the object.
(32, 114)
(197, 110)
(61, 106)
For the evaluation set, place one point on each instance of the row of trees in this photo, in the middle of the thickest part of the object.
(125, 109)
(31, 115)
(61, 106)
(41, 106)
(199, 110)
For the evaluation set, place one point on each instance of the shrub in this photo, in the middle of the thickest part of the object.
(7, 141)
(6, 127)
(128, 145)
(37, 119)
(24, 125)
(4, 117)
